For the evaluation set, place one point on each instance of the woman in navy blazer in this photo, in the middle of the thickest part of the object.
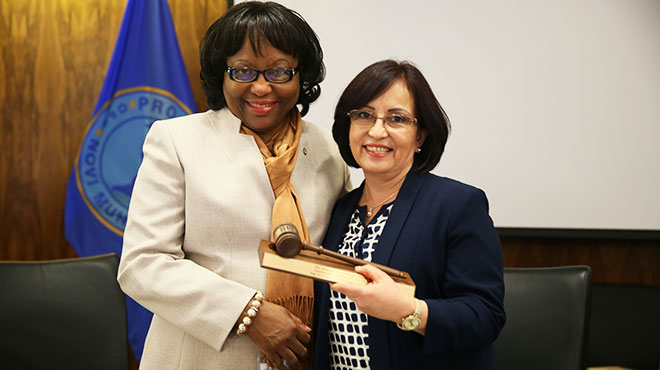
(389, 123)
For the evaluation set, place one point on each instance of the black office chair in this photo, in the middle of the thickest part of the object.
(624, 326)
(62, 314)
(547, 315)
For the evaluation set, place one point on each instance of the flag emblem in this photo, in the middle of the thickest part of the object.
(111, 152)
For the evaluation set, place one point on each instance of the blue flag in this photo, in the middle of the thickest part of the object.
(146, 81)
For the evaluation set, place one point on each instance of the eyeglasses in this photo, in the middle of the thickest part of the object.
(274, 75)
(365, 118)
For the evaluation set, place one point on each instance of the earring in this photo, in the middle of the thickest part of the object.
(418, 150)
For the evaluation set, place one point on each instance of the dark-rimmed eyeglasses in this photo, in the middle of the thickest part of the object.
(367, 118)
(274, 75)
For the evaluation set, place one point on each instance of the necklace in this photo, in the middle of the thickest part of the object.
(370, 209)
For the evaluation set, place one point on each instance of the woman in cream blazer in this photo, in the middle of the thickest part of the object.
(203, 199)
(202, 202)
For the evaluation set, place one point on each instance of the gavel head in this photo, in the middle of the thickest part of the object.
(287, 240)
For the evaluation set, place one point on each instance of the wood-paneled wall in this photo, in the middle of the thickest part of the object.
(53, 57)
(611, 261)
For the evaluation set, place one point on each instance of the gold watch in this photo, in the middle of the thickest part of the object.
(411, 322)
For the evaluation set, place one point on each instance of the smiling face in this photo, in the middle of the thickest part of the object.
(383, 151)
(261, 105)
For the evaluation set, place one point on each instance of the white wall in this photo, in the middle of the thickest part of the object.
(555, 105)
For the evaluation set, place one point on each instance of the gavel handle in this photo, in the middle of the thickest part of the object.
(352, 260)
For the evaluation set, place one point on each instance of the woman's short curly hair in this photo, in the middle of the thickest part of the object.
(283, 28)
(372, 82)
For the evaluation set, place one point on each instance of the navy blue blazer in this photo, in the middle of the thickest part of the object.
(440, 232)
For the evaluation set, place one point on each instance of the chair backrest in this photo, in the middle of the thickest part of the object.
(62, 314)
(624, 327)
(547, 315)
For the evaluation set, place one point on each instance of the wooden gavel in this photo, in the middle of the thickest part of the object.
(288, 244)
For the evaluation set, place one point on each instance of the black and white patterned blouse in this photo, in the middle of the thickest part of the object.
(348, 335)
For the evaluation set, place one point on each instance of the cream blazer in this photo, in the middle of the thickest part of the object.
(202, 202)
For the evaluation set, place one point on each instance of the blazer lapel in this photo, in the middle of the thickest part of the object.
(398, 217)
(241, 152)
(233, 143)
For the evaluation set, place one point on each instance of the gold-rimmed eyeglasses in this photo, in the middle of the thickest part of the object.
(367, 118)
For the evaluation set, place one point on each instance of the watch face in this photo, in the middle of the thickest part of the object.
(411, 323)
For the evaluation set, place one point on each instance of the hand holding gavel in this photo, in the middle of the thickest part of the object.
(288, 244)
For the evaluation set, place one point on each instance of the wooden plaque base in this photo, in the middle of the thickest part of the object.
(320, 267)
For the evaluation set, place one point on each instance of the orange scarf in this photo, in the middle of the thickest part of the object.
(293, 292)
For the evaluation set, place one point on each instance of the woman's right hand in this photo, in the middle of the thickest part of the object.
(280, 335)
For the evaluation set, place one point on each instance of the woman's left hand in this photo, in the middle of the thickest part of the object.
(380, 298)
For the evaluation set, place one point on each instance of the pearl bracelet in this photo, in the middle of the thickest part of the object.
(251, 313)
